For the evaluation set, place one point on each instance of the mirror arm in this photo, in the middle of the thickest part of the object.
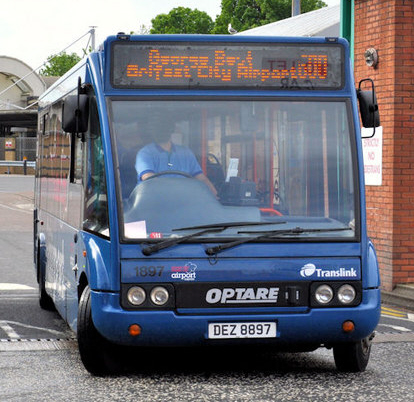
(81, 90)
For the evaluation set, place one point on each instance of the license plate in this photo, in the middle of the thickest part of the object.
(230, 330)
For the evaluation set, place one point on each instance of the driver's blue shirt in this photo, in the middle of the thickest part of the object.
(154, 159)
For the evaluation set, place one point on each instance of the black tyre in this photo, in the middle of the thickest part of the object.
(97, 354)
(45, 301)
(353, 357)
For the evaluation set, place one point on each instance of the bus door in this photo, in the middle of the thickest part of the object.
(87, 195)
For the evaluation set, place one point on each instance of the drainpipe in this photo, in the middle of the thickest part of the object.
(347, 23)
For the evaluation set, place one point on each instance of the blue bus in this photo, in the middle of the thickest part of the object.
(200, 190)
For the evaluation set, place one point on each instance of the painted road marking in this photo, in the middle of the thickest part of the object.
(10, 332)
(21, 296)
(15, 209)
(398, 314)
(393, 312)
(14, 286)
(20, 324)
(27, 207)
(396, 328)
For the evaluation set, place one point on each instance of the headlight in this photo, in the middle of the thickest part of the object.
(324, 294)
(136, 295)
(159, 296)
(346, 294)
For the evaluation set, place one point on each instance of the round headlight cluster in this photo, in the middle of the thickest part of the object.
(346, 294)
(159, 296)
(136, 295)
(324, 294)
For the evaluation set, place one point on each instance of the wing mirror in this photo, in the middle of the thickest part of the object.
(368, 106)
(75, 112)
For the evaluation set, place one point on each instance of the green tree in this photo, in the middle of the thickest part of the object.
(59, 64)
(182, 20)
(247, 14)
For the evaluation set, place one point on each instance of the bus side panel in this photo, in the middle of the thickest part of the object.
(373, 276)
(59, 248)
(92, 264)
(58, 197)
(98, 262)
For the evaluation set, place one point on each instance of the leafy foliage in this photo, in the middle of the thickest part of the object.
(57, 65)
(247, 14)
(182, 20)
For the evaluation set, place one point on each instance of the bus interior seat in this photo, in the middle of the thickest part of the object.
(127, 172)
(215, 172)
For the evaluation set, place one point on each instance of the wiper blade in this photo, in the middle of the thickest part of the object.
(297, 230)
(268, 235)
(213, 228)
(226, 225)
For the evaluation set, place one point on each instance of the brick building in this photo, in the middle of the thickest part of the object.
(388, 27)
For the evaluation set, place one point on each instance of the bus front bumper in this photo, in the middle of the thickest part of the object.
(317, 326)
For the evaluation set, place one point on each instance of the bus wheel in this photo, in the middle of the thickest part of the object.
(353, 357)
(95, 351)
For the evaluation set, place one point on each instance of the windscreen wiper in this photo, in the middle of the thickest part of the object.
(229, 225)
(272, 234)
(212, 228)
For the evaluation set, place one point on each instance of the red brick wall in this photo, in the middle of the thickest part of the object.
(388, 26)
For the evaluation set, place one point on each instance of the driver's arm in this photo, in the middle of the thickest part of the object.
(144, 163)
(205, 180)
(146, 176)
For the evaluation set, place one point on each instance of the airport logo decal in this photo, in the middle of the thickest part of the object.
(186, 272)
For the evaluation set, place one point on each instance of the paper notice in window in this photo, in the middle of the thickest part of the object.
(135, 230)
(233, 169)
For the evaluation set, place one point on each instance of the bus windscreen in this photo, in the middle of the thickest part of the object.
(277, 66)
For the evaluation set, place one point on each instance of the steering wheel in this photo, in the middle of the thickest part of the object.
(167, 172)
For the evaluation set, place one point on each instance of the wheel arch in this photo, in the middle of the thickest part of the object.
(83, 282)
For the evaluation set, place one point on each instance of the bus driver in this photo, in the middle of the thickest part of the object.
(163, 155)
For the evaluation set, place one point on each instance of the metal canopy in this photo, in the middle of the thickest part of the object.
(17, 118)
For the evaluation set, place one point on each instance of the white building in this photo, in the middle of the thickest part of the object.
(322, 22)
(19, 87)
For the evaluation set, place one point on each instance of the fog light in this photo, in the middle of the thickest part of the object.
(134, 330)
(346, 294)
(159, 296)
(348, 326)
(324, 294)
(136, 295)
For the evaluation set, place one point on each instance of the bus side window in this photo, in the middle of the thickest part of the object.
(96, 205)
(76, 159)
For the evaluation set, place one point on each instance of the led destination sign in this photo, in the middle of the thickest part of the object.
(275, 66)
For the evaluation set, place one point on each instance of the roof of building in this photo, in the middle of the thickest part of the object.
(322, 22)
(49, 80)
(17, 70)
(17, 118)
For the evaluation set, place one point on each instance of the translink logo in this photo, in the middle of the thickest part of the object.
(309, 270)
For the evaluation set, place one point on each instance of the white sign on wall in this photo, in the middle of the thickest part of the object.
(372, 150)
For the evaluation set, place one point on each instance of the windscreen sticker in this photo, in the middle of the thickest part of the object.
(155, 235)
(135, 230)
